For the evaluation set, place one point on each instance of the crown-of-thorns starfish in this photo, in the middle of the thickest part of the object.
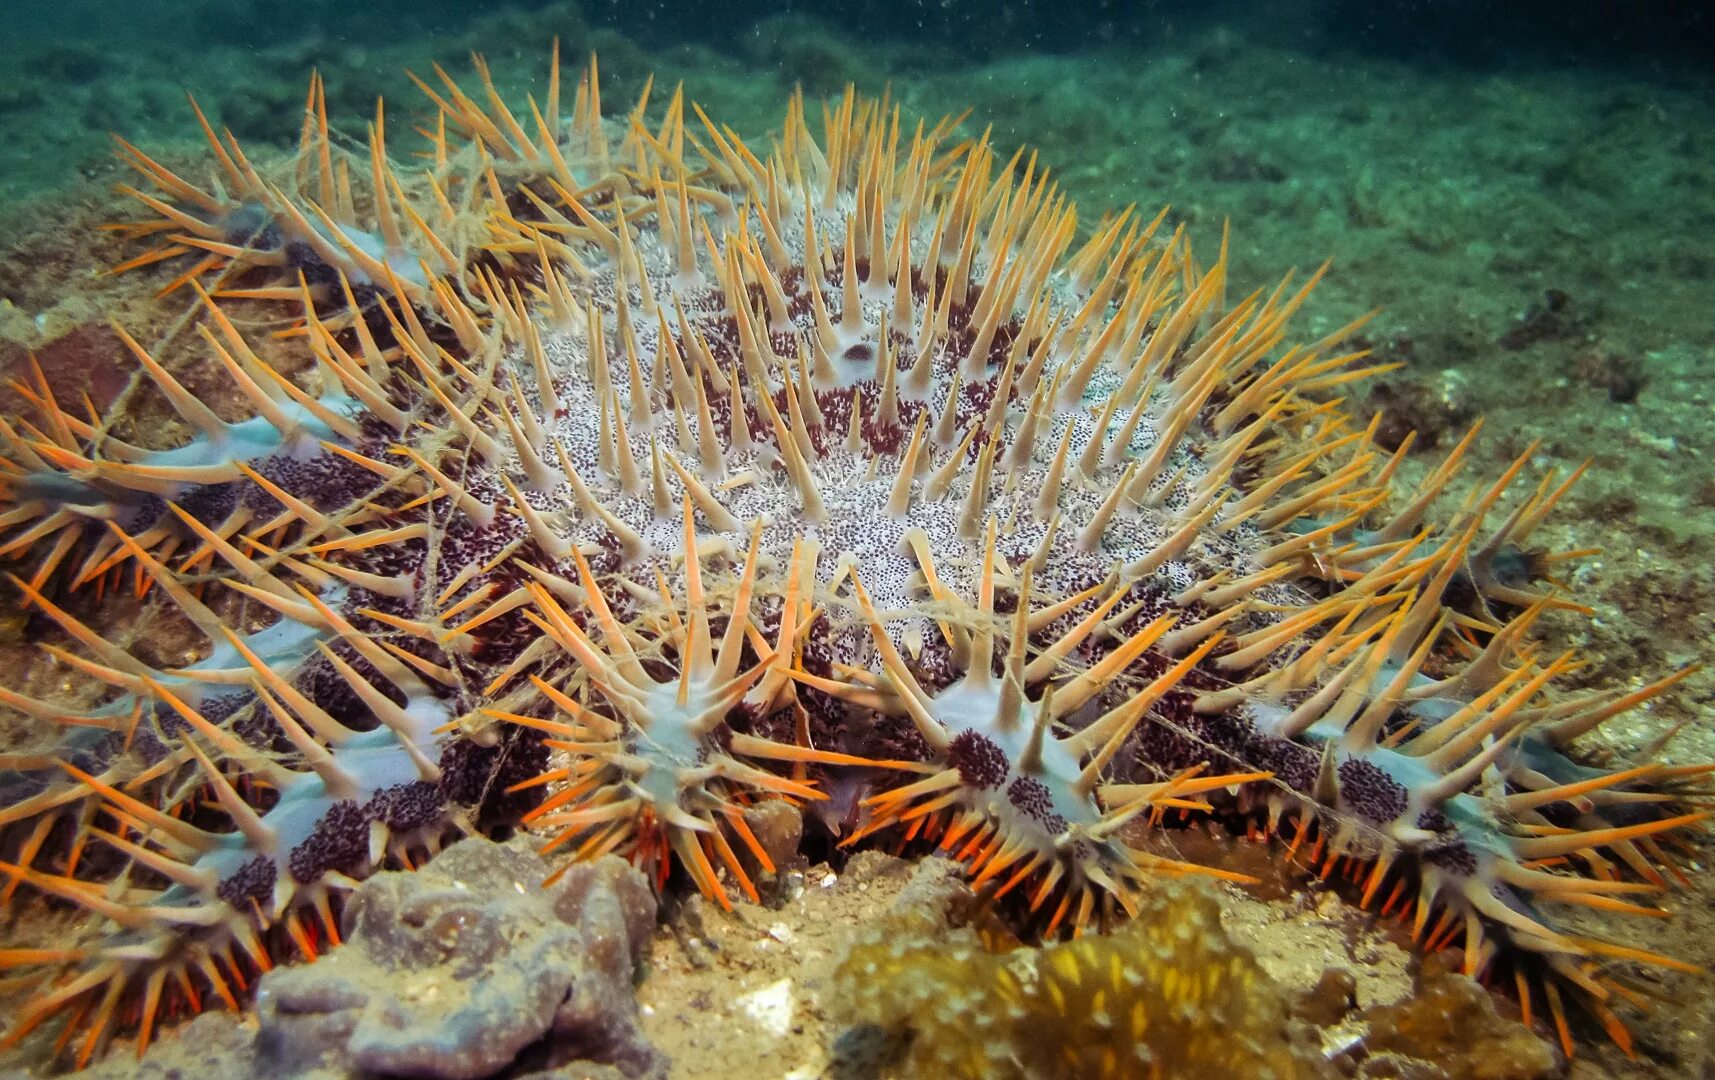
(1021, 529)
(653, 765)
(1012, 797)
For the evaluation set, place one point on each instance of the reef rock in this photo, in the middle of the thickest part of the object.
(452, 972)
(1449, 1030)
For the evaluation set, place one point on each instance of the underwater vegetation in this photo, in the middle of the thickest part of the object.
(612, 479)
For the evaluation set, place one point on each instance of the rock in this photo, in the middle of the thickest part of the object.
(1449, 1030)
(453, 971)
(1328, 1002)
(214, 1044)
(89, 359)
(778, 827)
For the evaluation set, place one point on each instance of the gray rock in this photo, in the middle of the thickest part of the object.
(453, 971)
(464, 969)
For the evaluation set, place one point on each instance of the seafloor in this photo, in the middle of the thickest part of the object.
(1541, 241)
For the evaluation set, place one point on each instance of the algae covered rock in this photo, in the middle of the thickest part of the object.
(453, 971)
(1449, 1030)
(1167, 995)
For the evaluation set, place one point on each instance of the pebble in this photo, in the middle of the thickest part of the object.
(770, 1007)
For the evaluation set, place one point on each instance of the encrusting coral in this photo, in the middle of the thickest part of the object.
(614, 478)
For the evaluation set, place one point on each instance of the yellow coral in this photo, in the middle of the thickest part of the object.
(1168, 995)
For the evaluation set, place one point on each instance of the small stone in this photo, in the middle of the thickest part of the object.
(1330, 999)
(779, 827)
(770, 1007)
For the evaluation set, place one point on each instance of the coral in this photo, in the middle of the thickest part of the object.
(1168, 995)
(615, 479)
(452, 971)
